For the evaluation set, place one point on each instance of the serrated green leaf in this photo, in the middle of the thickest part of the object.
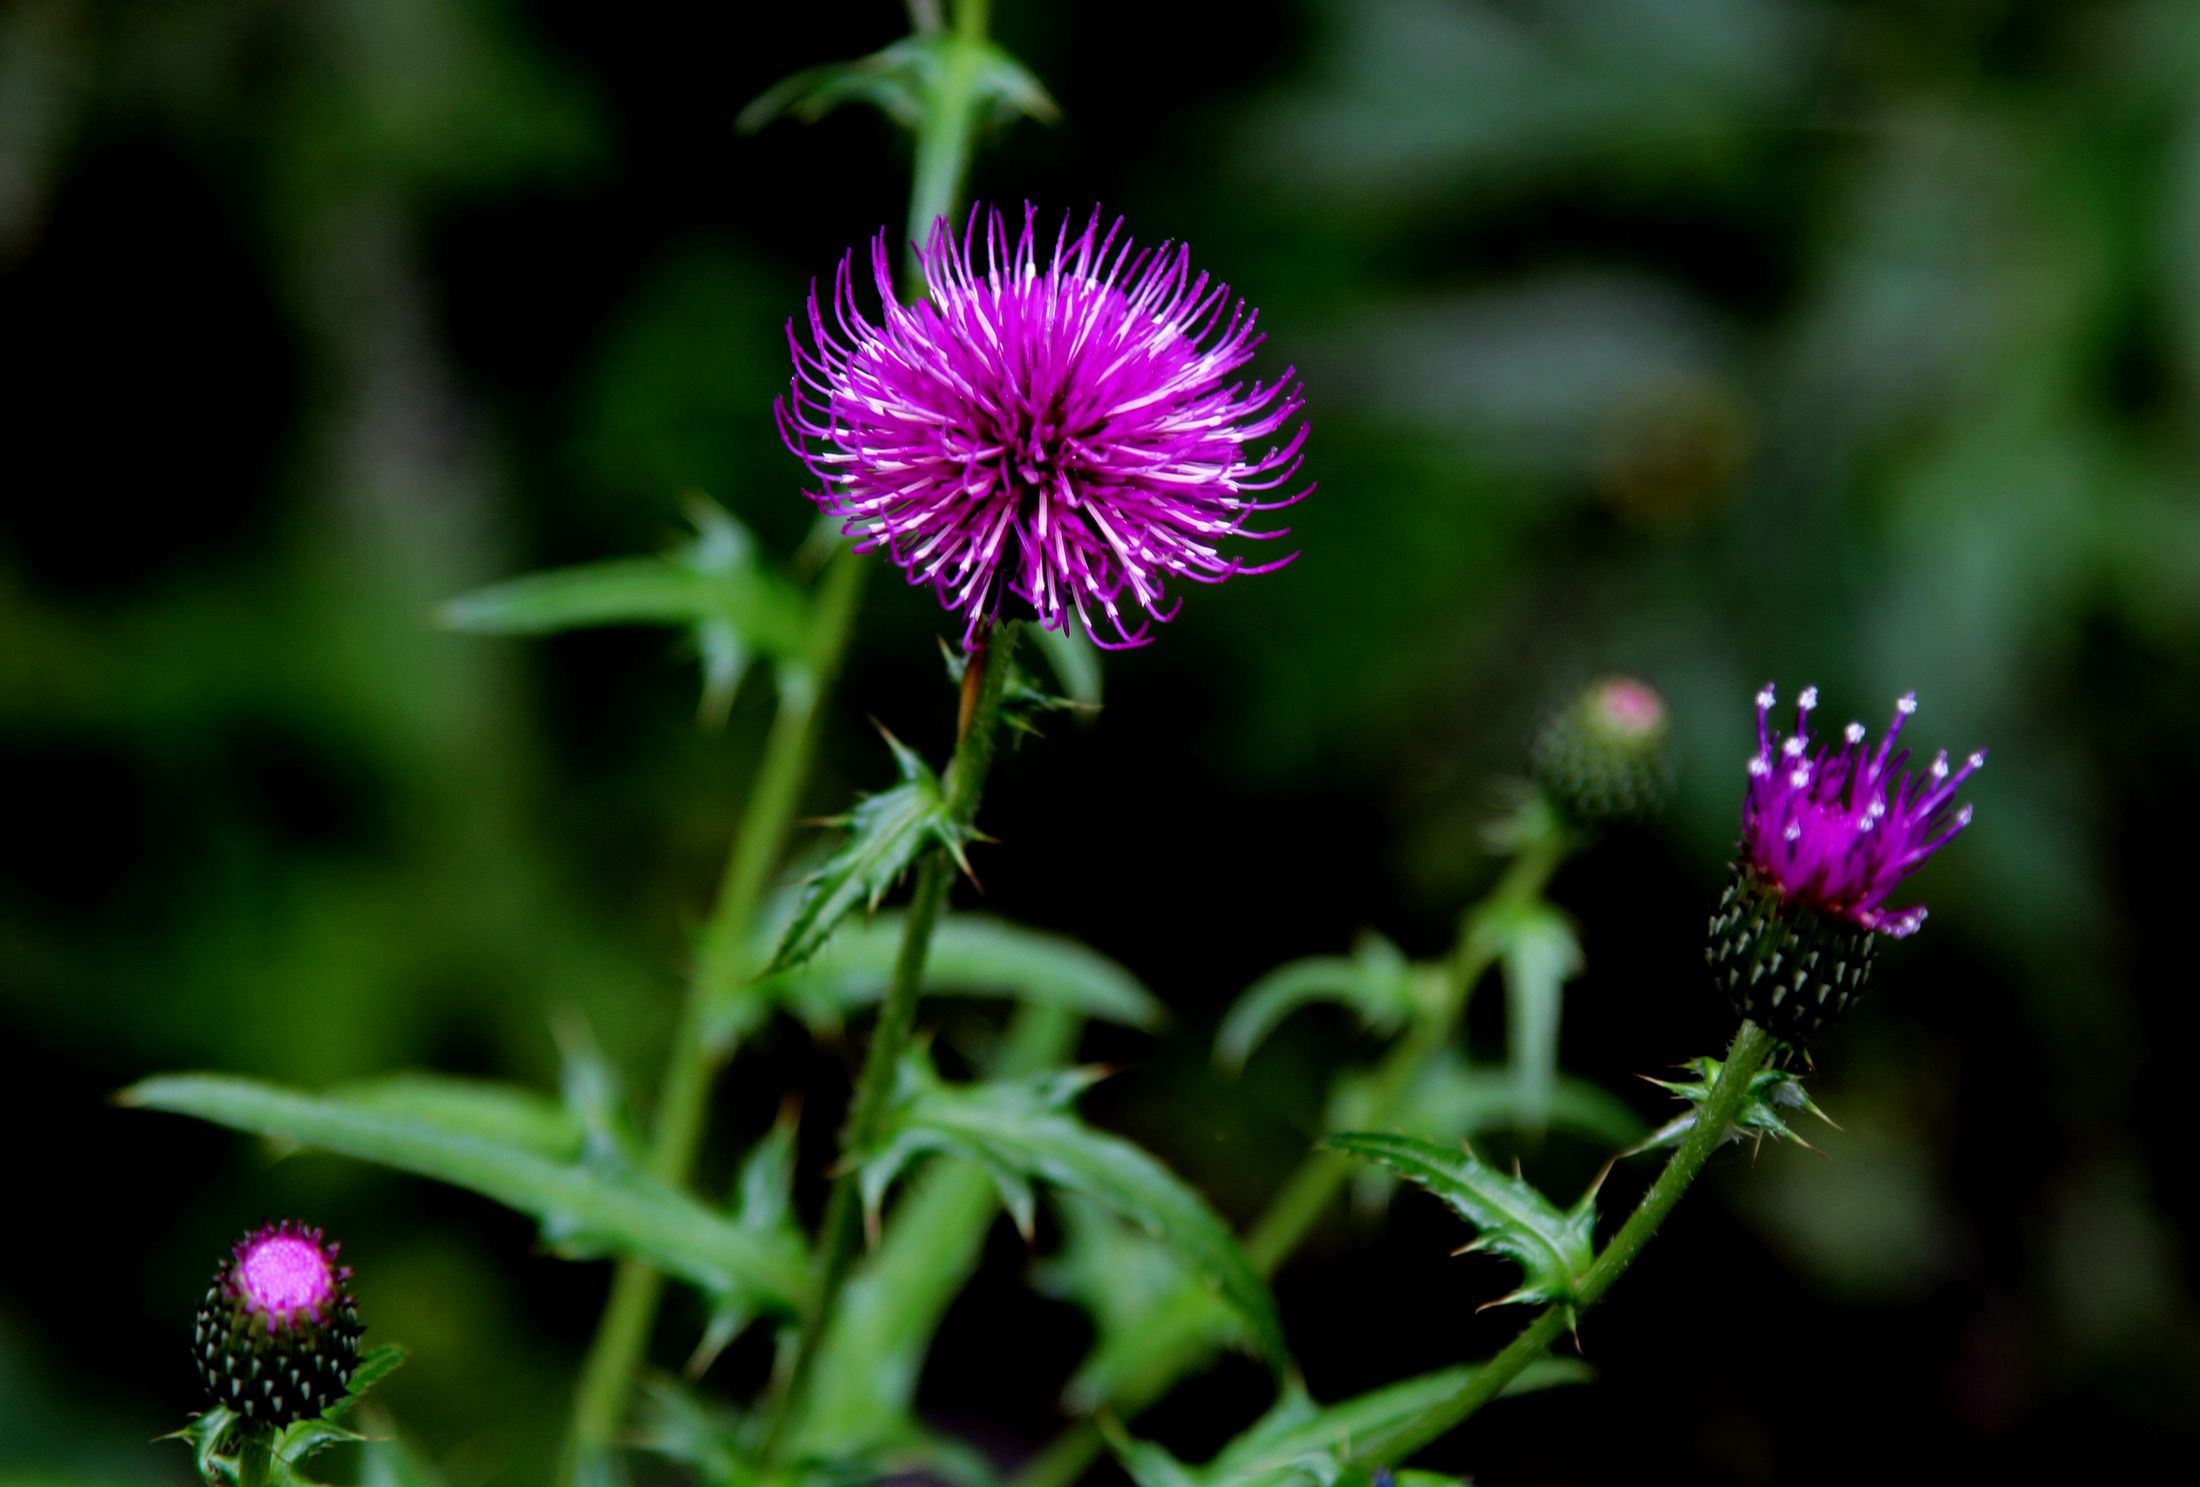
(302, 1440)
(886, 831)
(899, 81)
(1552, 1246)
(374, 1365)
(1770, 1092)
(1022, 1131)
(875, 1345)
(1376, 981)
(206, 1434)
(501, 1113)
(972, 953)
(1147, 1308)
(585, 1207)
(763, 1202)
(1297, 1433)
(716, 586)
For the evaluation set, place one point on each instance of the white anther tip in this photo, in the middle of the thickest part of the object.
(1906, 703)
(1854, 733)
(1765, 698)
(1792, 748)
(1808, 700)
(1794, 831)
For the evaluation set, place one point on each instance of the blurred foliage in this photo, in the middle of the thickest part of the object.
(1855, 343)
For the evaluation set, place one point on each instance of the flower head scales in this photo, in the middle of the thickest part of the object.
(1063, 429)
(1837, 829)
(278, 1334)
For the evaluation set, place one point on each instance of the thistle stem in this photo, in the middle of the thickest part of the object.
(695, 1058)
(1308, 1193)
(943, 138)
(1752, 1045)
(963, 786)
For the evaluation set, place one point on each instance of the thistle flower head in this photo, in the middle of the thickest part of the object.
(1836, 829)
(1606, 756)
(1827, 834)
(278, 1333)
(1065, 429)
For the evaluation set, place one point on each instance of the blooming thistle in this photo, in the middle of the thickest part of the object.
(1826, 836)
(1065, 433)
(278, 1333)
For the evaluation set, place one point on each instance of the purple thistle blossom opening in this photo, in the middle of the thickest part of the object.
(1837, 830)
(1064, 431)
(285, 1273)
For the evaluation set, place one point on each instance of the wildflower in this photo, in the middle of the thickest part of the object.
(1063, 432)
(278, 1333)
(1605, 757)
(1826, 837)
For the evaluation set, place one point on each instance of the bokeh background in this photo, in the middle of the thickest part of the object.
(1717, 340)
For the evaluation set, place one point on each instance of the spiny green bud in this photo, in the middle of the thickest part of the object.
(1789, 966)
(1606, 757)
(278, 1334)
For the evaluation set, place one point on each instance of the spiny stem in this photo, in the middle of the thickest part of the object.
(1752, 1045)
(694, 1060)
(964, 784)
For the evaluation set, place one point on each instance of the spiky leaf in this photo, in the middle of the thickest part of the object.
(1147, 1308)
(1770, 1092)
(1376, 981)
(1023, 1131)
(1552, 1246)
(1313, 1440)
(886, 831)
(1451, 1099)
(587, 1207)
(900, 81)
(972, 953)
(716, 586)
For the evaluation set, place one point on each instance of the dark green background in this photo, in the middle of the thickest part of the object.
(1719, 340)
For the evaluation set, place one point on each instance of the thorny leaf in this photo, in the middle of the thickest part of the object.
(1021, 1131)
(886, 832)
(1770, 1092)
(1552, 1246)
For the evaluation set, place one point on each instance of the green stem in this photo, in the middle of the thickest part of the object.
(1752, 1045)
(943, 139)
(695, 1059)
(942, 163)
(964, 784)
(1308, 1193)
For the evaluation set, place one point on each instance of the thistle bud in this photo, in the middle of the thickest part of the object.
(278, 1333)
(1827, 835)
(1605, 757)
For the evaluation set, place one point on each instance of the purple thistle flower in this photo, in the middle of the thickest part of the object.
(1838, 830)
(278, 1333)
(1066, 433)
(1827, 834)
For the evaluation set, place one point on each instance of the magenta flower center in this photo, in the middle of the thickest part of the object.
(285, 1273)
